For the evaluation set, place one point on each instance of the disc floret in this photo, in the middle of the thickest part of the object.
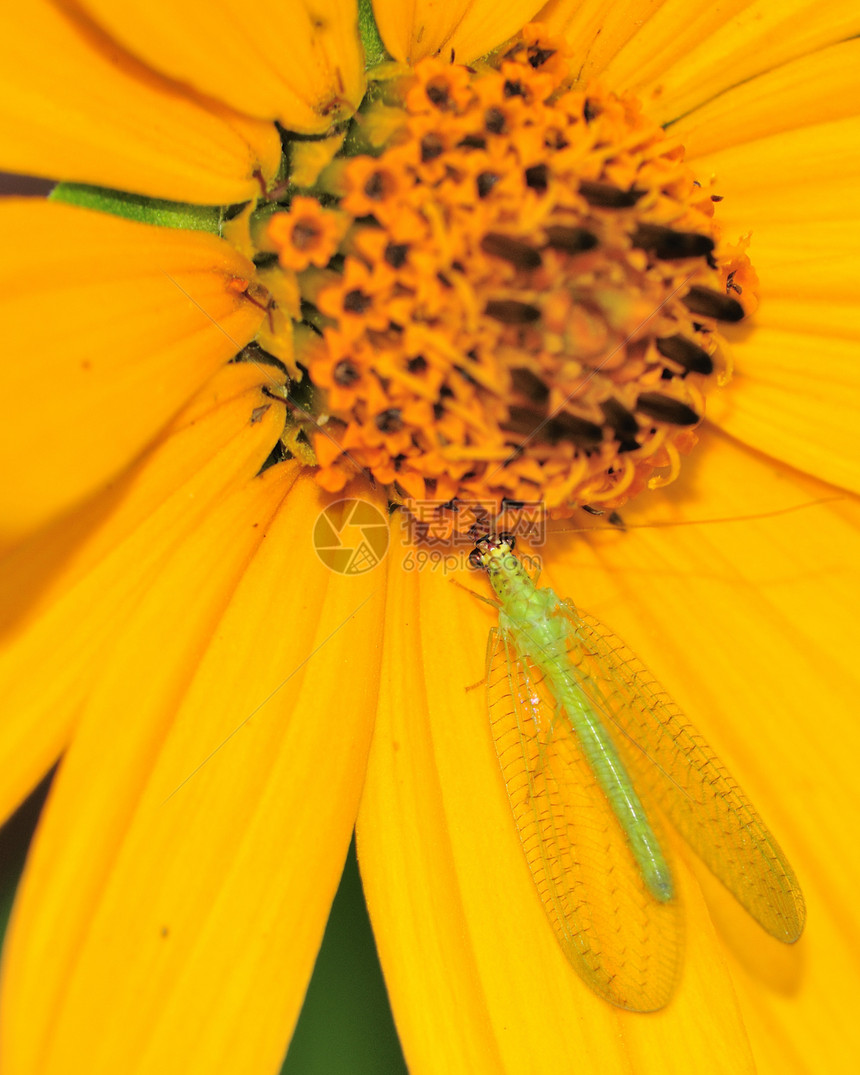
(526, 302)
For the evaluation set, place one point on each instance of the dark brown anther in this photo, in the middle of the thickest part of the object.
(375, 186)
(537, 177)
(511, 312)
(666, 409)
(305, 234)
(345, 373)
(529, 385)
(437, 94)
(591, 110)
(513, 88)
(619, 418)
(472, 141)
(570, 240)
(356, 302)
(569, 427)
(417, 364)
(523, 421)
(494, 121)
(389, 421)
(485, 183)
(431, 148)
(395, 254)
(530, 423)
(517, 252)
(622, 423)
(670, 245)
(701, 300)
(537, 56)
(605, 196)
(554, 139)
(679, 349)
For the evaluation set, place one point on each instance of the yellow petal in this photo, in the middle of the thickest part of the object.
(681, 59)
(807, 174)
(597, 30)
(462, 31)
(805, 267)
(179, 885)
(110, 327)
(404, 851)
(789, 1025)
(297, 61)
(810, 90)
(450, 893)
(98, 566)
(796, 397)
(672, 583)
(75, 106)
(748, 624)
(39, 571)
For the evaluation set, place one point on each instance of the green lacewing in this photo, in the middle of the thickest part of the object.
(588, 743)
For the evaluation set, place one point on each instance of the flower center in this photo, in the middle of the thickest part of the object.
(517, 297)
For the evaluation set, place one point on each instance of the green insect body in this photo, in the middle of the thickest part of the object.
(532, 615)
(586, 741)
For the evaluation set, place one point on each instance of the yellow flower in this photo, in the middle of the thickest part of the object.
(227, 707)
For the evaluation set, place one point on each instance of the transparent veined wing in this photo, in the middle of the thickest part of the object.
(625, 944)
(674, 768)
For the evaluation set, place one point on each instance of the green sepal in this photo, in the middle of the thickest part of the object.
(374, 50)
(155, 211)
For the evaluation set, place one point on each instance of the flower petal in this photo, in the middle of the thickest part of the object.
(404, 850)
(805, 250)
(795, 395)
(112, 327)
(771, 179)
(462, 31)
(449, 890)
(790, 549)
(74, 106)
(681, 59)
(39, 571)
(812, 89)
(175, 898)
(68, 588)
(296, 61)
(597, 30)
(806, 267)
(748, 624)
